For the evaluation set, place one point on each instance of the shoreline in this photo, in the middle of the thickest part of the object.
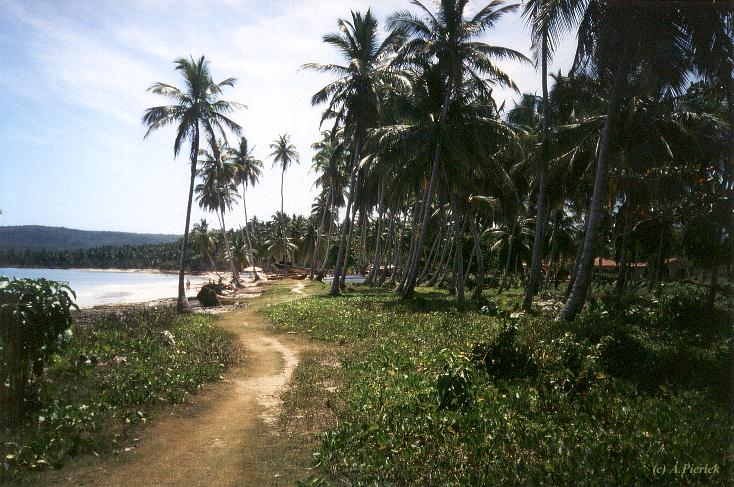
(137, 287)
(239, 299)
(115, 269)
(117, 287)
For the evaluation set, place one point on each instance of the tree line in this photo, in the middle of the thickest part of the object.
(149, 256)
(627, 155)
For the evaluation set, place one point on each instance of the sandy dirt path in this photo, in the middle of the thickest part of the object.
(228, 436)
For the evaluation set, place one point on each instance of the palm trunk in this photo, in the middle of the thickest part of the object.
(458, 247)
(553, 257)
(250, 253)
(435, 247)
(445, 257)
(335, 291)
(182, 303)
(350, 236)
(442, 260)
(378, 245)
(362, 226)
(328, 234)
(577, 261)
(410, 284)
(414, 253)
(714, 284)
(508, 262)
(432, 254)
(454, 269)
(444, 272)
(211, 261)
(228, 251)
(388, 251)
(532, 286)
(730, 171)
(405, 270)
(576, 299)
(363, 241)
(480, 262)
(317, 243)
(282, 224)
(469, 264)
(622, 278)
(459, 232)
(398, 249)
(437, 260)
(658, 258)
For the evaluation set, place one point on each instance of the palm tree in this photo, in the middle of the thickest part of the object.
(203, 241)
(449, 39)
(285, 155)
(353, 98)
(614, 41)
(276, 243)
(218, 191)
(712, 46)
(198, 108)
(328, 163)
(248, 172)
(548, 19)
(239, 250)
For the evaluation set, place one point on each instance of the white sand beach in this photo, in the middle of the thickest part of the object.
(95, 287)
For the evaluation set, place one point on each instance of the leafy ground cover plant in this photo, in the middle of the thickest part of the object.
(430, 394)
(111, 374)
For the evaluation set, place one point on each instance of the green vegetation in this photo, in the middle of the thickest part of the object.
(432, 393)
(34, 321)
(623, 156)
(112, 373)
(150, 256)
(444, 188)
(60, 238)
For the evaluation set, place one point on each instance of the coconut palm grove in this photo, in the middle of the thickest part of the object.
(483, 292)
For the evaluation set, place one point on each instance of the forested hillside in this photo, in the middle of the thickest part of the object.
(150, 256)
(58, 238)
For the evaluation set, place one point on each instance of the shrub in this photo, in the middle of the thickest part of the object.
(688, 308)
(34, 320)
(504, 357)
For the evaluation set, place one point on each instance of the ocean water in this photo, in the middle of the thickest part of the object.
(348, 279)
(95, 287)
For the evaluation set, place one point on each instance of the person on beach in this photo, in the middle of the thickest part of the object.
(188, 285)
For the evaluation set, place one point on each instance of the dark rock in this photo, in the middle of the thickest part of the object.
(208, 295)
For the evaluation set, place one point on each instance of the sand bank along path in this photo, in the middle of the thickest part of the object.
(227, 438)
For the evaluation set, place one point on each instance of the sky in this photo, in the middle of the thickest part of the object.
(73, 80)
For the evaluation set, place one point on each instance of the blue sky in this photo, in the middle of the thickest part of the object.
(73, 76)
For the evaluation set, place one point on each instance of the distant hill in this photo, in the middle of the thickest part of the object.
(59, 238)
